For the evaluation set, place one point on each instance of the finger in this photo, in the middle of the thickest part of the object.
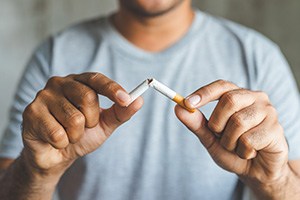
(230, 103)
(197, 123)
(105, 86)
(68, 116)
(84, 99)
(209, 93)
(45, 127)
(241, 122)
(116, 115)
(265, 136)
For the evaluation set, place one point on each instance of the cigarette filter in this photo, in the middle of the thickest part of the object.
(168, 93)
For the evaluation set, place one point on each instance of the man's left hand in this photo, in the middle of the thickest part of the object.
(242, 135)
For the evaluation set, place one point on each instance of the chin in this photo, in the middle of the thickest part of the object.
(150, 7)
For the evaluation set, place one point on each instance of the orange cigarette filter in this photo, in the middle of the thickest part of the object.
(180, 101)
(166, 91)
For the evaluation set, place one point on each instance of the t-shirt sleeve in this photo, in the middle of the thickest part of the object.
(34, 79)
(276, 79)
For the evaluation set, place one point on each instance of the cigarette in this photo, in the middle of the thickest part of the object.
(138, 91)
(151, 82)
(174, 96)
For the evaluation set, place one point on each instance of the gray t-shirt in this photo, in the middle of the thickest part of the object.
(154, 156)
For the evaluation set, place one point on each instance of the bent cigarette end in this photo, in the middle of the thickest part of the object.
(151, 82)
(138, 91)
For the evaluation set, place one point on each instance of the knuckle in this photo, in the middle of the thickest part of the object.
(224, 83)
(110, 86)
(237, 120)
(75, 137)
(206, 91)
(263, 96)
(77, 119)
(230, 99)
(54, 80)
(43, 94)
(57, 135)
(214, 126)
(71, 115)
(70, 76)
(251, 113)
(89, 98)
(221, 82)
(245, 141)
(30, 110)
(272, 112)
(92, 77)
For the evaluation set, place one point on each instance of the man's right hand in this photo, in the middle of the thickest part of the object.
(65, 122)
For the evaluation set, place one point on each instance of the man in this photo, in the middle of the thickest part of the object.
(73, 145)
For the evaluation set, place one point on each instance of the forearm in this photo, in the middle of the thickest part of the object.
(285, 188)
(20, 182)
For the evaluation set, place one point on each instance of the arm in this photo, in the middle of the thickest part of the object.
(243, 136)
(18, 181)
(63, 123)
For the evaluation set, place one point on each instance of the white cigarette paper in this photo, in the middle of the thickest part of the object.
(174, 96)
(162, 89)
(158, 86)
(139, 90)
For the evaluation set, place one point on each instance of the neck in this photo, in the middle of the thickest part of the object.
(157, 33)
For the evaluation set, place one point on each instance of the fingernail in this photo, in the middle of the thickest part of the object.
(123, 96)
(194, 100)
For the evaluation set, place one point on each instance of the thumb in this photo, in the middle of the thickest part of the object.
(116, 115)
(197, 123)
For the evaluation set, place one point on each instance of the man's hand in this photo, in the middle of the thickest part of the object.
(243, 134)
(65, 122)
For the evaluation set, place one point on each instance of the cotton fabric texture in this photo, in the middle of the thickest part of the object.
(154, 156)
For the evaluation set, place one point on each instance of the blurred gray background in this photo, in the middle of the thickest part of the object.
(24, 24)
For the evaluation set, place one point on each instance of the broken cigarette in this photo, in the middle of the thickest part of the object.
(174, 96)
(163, 89)
(139, 90)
